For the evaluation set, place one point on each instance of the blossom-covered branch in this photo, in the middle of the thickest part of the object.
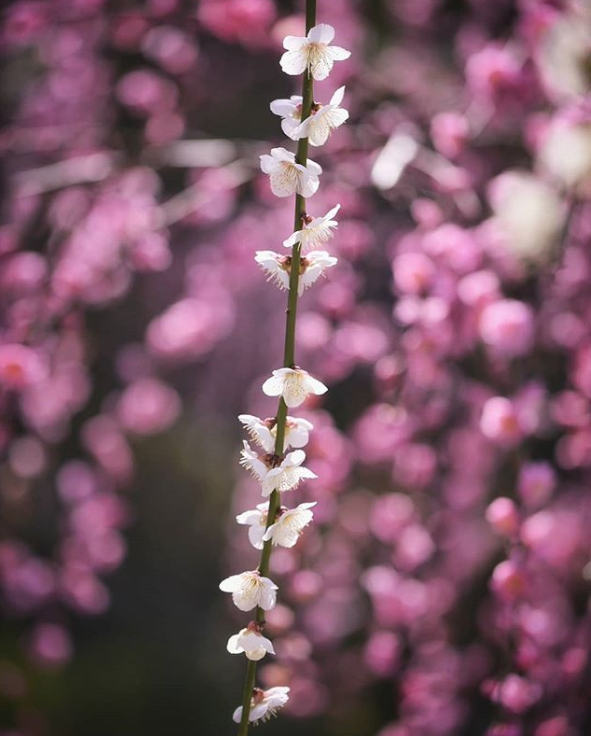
(279, 467)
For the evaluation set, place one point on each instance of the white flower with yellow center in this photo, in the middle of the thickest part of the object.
(251, 642)
(312, 52)
(264, 704)
(288, 475)
(264, 431)
(286, 531)
(275, 473)
(278, 267)
(322, 120)
(316, 231)
(249, 590)
(294, 384)
(287, 177)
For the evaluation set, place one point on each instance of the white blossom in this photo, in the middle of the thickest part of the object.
(317, 231)
(288, 474)
(249, 590)
(250, 642)
(278, 267)
(318, 125)
(312, 52)
(264, 704)
(315, 264)
(274, 475)
(264, 431)
(290, 110)
(286, 531)
(294, 384)
(287, 176)
(251, 461)
(256, 520)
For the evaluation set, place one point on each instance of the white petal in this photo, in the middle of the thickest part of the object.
(319, 132)
(233, 647)
(284, 108)
(282, 154)
(293, 239)
(296, 457)
(308, 186)
(285, 181)
(249, 517)
(293, 62)
(306, 474)
(322, 66)
(338, 54)
(237, 715)
(268, 599)
(291, 129)
(255, 536)
(273, 386)
(258, 712)
(293, 43)
(297, 132)
(314, 168)
(315, 386)
(322, 33)
(331, 213)
(229, 585)
(268, 163)
(338, 97)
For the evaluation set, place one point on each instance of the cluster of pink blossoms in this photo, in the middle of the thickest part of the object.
(277, 463)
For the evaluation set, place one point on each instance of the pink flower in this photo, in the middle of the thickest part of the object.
(148, 406)
(449, 132)
(499, 422)
(50, 645)
(20, 366)
(413, 272)
(536, 483)
(502, 516)
(507, 327)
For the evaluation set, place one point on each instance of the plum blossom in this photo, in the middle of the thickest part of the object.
(249, 590)
(256, 520)
(290, 112)
(278, 267)
(264, 432)
(20, 366)
(287, 177)
(312, 52)
(288, 475)
(264, 704)
(507, 327)
(251, 642)
(319, 125)
(294, 384)
(315, 232)
(281, 474)
(291, 523)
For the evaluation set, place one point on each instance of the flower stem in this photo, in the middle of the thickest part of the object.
(288, 362)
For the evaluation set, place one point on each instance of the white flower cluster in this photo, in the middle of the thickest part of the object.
(279, 465)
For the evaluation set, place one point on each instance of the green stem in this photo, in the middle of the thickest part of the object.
(288, 362)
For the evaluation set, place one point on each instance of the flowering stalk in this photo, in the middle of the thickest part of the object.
(279, 470)
(288, 362)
